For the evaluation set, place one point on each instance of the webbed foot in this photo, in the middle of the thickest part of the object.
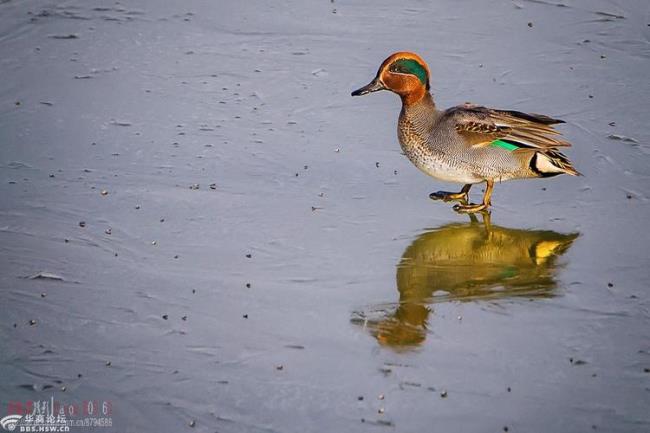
(463, 195)
(448, 196)
(471, 208)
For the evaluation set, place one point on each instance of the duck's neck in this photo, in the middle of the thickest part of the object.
(422, 110)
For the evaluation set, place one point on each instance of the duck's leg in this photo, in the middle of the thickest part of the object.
(471, 208)
(463, 195)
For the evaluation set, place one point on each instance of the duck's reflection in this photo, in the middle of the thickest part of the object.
(465, 262)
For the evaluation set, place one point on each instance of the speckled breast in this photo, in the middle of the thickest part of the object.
(435, 163)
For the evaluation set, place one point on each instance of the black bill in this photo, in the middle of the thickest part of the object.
(374, 86)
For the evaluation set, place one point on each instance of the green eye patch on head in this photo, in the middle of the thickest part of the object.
(410, 66)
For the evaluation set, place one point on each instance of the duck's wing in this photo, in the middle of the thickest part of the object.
(480, 126)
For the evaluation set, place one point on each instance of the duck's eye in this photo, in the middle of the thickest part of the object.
(412, 67)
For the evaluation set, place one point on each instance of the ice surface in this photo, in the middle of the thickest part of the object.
(217, 206)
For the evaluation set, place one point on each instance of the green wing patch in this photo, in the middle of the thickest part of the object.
(507, 145)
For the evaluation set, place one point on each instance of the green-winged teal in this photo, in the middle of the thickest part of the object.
(469, 143)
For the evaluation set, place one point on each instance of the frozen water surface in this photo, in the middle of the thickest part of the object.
(199, 225)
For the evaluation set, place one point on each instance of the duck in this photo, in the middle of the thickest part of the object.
(468, 143)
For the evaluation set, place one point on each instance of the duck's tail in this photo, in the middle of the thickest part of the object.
(550, 162)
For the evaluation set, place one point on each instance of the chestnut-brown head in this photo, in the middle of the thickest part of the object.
(403, 73)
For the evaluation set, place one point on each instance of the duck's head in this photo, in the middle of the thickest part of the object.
(403, 73)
